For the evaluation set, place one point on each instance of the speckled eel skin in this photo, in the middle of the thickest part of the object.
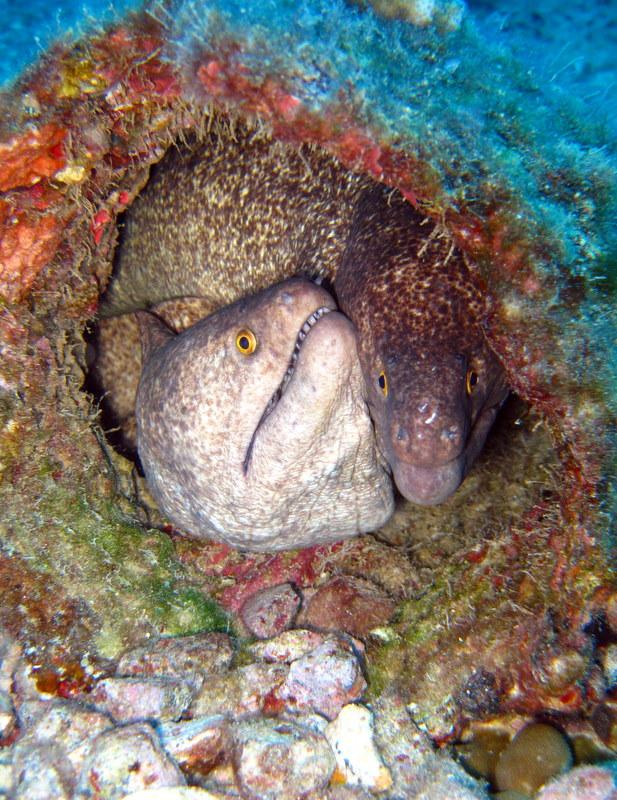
(239, 211)
(252, 424)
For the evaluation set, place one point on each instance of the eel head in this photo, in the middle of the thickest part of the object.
(433, 409)
(253, 427)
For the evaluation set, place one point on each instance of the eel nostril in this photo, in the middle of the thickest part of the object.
(450, 434)
(402, 434)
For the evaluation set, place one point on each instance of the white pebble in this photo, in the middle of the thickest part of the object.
(351, 738)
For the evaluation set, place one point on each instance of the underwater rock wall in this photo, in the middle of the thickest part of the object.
(465, 132)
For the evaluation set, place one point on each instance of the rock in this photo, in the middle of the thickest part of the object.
(416, 769)
(42, 772)
(6, 771)
(352, 605)
(588, 782)
(587, 746)
(67, 725)
(176, 793)
(126, 760)
(271, 611)
(196, 744)
(280, 760)
(10, 653)
(324, 680)
(189, 658)
(239, 693)
(608, 659)
(8, 719)
(287, 646)
(48, 757)
(536, 754)
(136, 699)
(344, 792)
(358, 761)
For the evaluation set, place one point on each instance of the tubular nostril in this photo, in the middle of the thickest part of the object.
(402, 434)
(450, 434)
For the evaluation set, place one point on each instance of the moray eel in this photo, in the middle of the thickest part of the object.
(239, 211)
(434, 385)
(252, 425)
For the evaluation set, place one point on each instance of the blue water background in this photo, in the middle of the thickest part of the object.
(572, 44)
(28, 27)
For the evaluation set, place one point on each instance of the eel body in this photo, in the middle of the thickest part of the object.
(237, 212)
(252, 425)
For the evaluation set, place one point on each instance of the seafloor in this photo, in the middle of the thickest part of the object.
(452, 627)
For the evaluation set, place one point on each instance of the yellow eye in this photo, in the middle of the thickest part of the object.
(382, 382)
(246, 342)
(471, 380)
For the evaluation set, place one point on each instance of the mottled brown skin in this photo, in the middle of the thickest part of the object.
(230, 217)
(239, 211)
(434, 385)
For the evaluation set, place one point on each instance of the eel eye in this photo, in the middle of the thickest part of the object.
(382, 381)
(246, 342)
(471, 381)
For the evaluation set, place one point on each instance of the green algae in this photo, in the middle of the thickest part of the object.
(126, 576)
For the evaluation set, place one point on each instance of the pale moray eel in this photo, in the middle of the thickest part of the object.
(252, 425)
(238, 212)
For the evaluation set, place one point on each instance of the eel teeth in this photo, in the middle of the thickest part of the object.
(280, 390)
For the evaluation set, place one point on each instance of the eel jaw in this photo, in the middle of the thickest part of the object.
(429, 486)
(304, 331)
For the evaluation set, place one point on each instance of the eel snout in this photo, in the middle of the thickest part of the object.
(428, 451)
(436, 424)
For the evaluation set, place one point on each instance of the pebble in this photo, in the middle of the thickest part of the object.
(608, 659)
(587, 746)
(189, 658)
(417, 770)
(136, 699)
(6, 771)
(343, 792)
(260, 730)
(126, 760)
(271, 611)
(10, 653)
(324, 680)
(176, 793)
(583, 783)
(277, 760)
(287, 646)
(604, 721)
(196, 744)
(536, 754)
(358, 761)
(67, 726)
(42, 772)
(239, 693)
(7, 716)
(348, 604)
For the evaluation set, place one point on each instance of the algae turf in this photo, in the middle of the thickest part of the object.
(79, 577)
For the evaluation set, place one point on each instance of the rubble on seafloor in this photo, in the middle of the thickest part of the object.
(497, 608)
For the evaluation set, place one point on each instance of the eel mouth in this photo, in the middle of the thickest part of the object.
(304, 331)
(430, 485)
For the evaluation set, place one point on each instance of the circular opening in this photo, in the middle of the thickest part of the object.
(518, 467)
